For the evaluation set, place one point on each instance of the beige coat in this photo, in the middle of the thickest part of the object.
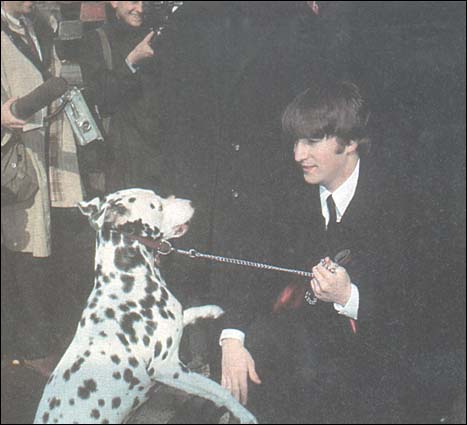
(26, 226)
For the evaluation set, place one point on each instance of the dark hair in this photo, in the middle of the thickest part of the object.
(329, 110)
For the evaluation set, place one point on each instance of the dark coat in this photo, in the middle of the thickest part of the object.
(132, 155)
(228, 74)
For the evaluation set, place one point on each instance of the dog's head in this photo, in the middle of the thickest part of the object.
(140, 213)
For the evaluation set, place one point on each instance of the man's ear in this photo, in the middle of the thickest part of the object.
(95, 211)
(352, 146)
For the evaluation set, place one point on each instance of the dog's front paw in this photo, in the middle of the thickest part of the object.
(215, 311)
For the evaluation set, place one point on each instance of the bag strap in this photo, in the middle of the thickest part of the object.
(106, 50)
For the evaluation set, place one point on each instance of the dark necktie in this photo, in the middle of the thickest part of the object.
(29, 41)
(332, 213)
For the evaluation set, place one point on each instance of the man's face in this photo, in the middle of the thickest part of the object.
(130, 12)
(325, 162)
(18, 8)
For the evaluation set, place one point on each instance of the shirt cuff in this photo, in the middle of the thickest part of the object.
(133, 68)
(351, 308)
(232, 333)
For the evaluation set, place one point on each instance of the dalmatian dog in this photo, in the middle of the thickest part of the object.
(129, 334)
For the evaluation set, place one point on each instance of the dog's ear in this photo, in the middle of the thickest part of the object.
(95, 211)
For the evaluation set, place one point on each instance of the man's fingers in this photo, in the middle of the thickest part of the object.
(149, 37)
(243, 387)
(252, 374)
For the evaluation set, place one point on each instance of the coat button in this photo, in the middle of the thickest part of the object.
(236, 148)
(235, 194)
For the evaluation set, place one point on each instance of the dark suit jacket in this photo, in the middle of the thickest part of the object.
(377, 229)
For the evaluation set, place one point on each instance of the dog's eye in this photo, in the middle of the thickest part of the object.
(161, 207)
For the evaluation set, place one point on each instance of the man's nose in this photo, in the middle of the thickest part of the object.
(139, 7)
(300, 151)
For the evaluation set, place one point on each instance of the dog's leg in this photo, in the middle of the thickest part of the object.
(191, 315)
(181, 378)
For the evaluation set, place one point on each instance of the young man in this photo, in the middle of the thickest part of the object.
(334, 360)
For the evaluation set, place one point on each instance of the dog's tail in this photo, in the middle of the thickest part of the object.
(191, 315)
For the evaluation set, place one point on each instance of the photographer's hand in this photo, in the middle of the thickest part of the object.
(8, 119)
(142, 51)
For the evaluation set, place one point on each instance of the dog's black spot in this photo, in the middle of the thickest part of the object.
(66, 375)
(95, 319)
(151, 371)
(141, 388)
(45, 417)
(89, 387)
(176, 375)
(103, 352)
(131, 200)
(131, 304)
(117, 375)
(133, 362)
(151, 286)
(157, 349)
(110, 313)
(165, 355)
(151, 324)
(123, 339)
(55, 402)
(147, 313)
(135, 403)
(146, 340)
(169, 342)
(106, 233)
(171, 315)
(129, 377)
(116, 238)
(106, 279)
(87, 353)
(127, 323)
(98, 285)
(147, 302)
(128, 282)
(113, 297)
(149, 330)
(112, 275)
(124, 308)
(77, 365)
(98, 270)
(50, 379)
(116, 402)
(161, 303)
(127, 258)
(71, 402)
(163, 313)
(153, 207)
(115, 358)
(92, 305)
(82, 322)
(103, 334)
(95, 414)
(105, 421)
(101, 403)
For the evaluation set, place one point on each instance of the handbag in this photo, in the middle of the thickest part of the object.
(18, 176)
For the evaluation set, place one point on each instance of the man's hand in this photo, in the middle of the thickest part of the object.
(142, 51)
(237, 367)
(331, 283)
(8, 119)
